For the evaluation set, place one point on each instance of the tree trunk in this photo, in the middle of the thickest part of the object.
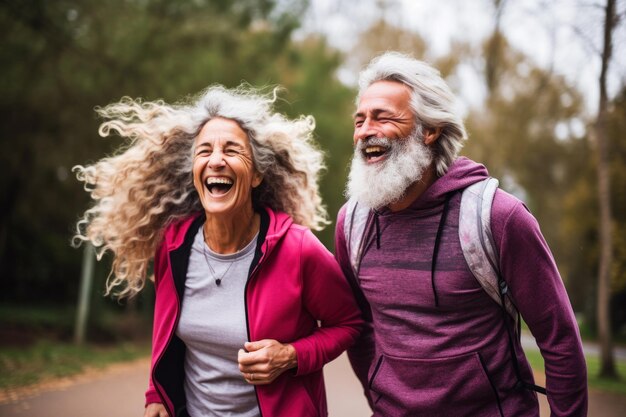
(494, 49)
(607, 362)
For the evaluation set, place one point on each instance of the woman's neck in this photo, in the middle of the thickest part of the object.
(231, 233)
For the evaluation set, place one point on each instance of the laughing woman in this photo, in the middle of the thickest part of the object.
(221, 193)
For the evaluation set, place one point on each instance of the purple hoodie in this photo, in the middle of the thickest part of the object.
(439, 345)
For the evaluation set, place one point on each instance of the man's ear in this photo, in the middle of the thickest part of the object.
(431, 134)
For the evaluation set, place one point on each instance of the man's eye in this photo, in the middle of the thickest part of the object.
(358, 123)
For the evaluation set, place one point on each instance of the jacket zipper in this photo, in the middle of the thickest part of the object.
(157, 386)
(245, 303)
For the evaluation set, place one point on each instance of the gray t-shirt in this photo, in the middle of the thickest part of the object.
(213, 327)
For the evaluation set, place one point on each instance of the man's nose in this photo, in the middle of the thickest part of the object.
(366, 130)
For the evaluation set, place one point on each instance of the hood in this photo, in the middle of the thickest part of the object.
(461, 174)
(279, 224)
(174, 234)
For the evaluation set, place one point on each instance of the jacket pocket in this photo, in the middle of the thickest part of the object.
(452, 386)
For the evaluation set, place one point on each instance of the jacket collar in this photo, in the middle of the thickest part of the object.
(180, 235)
(274, 225)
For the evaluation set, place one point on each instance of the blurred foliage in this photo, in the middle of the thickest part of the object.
(383, 36)
(515, 136)
(532, 134)
(63, 58)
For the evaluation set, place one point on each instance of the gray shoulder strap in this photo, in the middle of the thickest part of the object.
(354, 224)
(477, 242)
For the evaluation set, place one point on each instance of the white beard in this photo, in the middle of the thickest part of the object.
(386, 183)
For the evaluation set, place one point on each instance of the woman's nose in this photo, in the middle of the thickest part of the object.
(216, 159)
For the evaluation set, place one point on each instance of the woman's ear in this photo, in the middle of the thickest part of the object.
(431, 134)
(257, 179)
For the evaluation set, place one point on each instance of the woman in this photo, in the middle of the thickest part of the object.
(222, 192)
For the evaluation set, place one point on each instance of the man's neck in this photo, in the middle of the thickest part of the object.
(415, 190)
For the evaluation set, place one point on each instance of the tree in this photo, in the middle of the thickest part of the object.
(515, 135)
(607, 362)
(61, 59)
(315, 90)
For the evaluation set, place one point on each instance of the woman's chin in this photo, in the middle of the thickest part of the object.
(224, 206)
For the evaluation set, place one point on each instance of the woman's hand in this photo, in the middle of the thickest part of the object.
(264, 360)
(155, 410)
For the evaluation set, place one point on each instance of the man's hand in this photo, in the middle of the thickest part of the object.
(155, 410)
(264, 360)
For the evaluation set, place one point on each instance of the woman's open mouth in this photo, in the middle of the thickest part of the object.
(218, 186)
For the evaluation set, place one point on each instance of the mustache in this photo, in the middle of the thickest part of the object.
(373, 141)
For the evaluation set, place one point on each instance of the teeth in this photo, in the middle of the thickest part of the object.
(218, 180)
(372, 149)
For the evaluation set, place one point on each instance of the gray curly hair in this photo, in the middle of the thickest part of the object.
(432, 101)
(149, 183)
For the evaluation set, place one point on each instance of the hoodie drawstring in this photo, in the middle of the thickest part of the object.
(377, 229)
(442, 222)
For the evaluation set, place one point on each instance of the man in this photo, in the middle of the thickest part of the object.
(438, 344)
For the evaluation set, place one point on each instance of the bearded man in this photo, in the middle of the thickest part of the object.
(437, 343)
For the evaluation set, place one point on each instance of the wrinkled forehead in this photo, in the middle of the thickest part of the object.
(221, 131)
(384, 96)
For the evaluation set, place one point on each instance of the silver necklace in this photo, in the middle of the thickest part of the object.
(218, 281)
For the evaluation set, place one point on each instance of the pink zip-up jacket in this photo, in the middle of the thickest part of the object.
(293, 283)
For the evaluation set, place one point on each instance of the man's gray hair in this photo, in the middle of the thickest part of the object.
(432, 101)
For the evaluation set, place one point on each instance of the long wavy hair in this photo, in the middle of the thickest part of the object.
(148, 184)
(432, 102)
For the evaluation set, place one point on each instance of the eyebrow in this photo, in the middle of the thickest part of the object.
(375, 112)
(228, 143)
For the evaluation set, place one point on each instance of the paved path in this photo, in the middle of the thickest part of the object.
(118, 392)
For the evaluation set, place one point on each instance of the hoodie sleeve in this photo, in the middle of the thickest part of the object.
(363, 352)
(327, 296)
(536, 287)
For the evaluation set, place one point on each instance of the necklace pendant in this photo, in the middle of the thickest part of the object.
(218, 281)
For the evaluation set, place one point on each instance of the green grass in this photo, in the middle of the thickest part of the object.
(24, 366)
(593, 366)
(35, 342)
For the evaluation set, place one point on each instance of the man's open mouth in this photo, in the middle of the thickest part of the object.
(373, 153)
(218, 185)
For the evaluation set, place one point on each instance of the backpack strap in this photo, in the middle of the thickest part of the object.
(355, 223)
(481, 255)
(477, 242)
